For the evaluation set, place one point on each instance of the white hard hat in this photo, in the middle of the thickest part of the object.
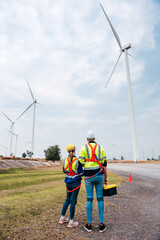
(90, 134)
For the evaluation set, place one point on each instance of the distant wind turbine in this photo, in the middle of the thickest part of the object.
(132, 115)
(11, 130)
(34, 111)
(16, 135)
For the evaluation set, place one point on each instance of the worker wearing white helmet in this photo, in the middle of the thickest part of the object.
(92, 156)
(73, 170)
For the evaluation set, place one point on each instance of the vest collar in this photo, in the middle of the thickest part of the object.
(92, 142)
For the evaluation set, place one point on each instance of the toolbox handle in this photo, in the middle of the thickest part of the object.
(106, 183)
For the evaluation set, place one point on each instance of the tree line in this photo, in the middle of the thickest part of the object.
(52, 153)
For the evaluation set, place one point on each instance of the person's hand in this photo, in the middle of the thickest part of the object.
(106, 180)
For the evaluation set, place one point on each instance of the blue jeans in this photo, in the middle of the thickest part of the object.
(71, 199)
(98, 182)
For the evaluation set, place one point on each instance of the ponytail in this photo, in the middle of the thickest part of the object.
(70, 156)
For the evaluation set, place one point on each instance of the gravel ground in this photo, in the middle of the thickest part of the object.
(136, 211)
(132, 214)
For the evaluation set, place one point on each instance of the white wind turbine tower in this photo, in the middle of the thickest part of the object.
(16, 135)
(11, 130)
(132, 115)
(34, 111)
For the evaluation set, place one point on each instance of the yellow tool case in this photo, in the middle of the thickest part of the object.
(109, 189)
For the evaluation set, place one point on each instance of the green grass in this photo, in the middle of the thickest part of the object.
(32, 195)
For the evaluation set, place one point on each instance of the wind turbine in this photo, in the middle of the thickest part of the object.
(16, 135)
(34, 111)
(132, 115)
(11, 130)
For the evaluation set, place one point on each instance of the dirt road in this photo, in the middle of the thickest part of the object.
(151, 170)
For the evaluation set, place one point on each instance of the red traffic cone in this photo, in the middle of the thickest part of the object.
(130, 178)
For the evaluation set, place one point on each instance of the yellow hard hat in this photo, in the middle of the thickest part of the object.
(70, 147)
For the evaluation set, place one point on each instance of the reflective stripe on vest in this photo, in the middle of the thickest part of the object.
(93, 157)
(69, 166)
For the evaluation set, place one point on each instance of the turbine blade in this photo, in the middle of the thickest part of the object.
(130, 55)
(113, 69)
(7, 117)
(12, 133)
(3, 146)
(30, 90)
(25, 111)
(10, 130)
(113, 30)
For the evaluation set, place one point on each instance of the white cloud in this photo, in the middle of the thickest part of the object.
(67, 51)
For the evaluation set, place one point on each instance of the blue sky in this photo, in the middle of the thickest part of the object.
(67, 51)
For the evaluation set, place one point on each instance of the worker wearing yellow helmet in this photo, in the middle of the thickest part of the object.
(73, 170)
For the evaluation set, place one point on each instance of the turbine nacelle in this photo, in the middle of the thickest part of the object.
(127, 46)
